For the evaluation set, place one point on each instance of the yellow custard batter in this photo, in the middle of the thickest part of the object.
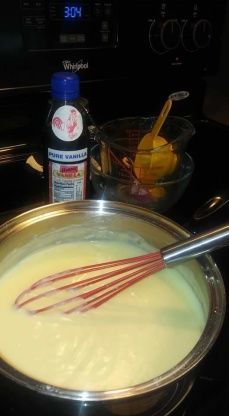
(136, 336)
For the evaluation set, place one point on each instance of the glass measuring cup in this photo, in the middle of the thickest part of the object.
(121, 154)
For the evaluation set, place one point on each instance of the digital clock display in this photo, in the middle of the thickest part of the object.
(73, 12)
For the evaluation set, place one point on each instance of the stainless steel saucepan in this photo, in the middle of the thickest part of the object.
(158, 396)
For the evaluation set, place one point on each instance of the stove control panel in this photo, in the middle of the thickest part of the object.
(170, 34)
(108, 39)
(178, 33)
(59, 24)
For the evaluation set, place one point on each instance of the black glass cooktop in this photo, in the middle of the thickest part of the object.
(22, 187)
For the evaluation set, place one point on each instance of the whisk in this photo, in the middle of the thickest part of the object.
(60, 291)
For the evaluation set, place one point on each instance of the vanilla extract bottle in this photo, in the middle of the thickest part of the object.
(67, 141)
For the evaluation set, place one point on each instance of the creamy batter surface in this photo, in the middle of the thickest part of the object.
(139, 334)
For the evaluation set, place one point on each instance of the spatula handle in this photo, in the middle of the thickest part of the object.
(194, 246)
(161, 118)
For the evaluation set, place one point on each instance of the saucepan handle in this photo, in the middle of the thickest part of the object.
(212, 205)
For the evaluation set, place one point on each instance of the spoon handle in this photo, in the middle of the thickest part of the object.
(194, 246)
(161, 118)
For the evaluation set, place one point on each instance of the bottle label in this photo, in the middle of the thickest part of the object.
(67, 182)
(67, 156)
(67, 123)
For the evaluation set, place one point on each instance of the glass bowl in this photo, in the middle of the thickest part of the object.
(159, 195)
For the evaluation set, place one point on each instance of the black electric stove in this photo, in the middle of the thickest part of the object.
(130, 56)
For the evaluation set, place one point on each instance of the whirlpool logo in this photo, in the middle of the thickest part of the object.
(75, 66)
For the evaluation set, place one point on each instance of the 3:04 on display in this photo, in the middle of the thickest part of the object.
(72, 12)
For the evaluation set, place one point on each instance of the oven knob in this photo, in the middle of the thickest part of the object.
(202, 33)
(170, 34)
(187, 36)
(155, 37)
